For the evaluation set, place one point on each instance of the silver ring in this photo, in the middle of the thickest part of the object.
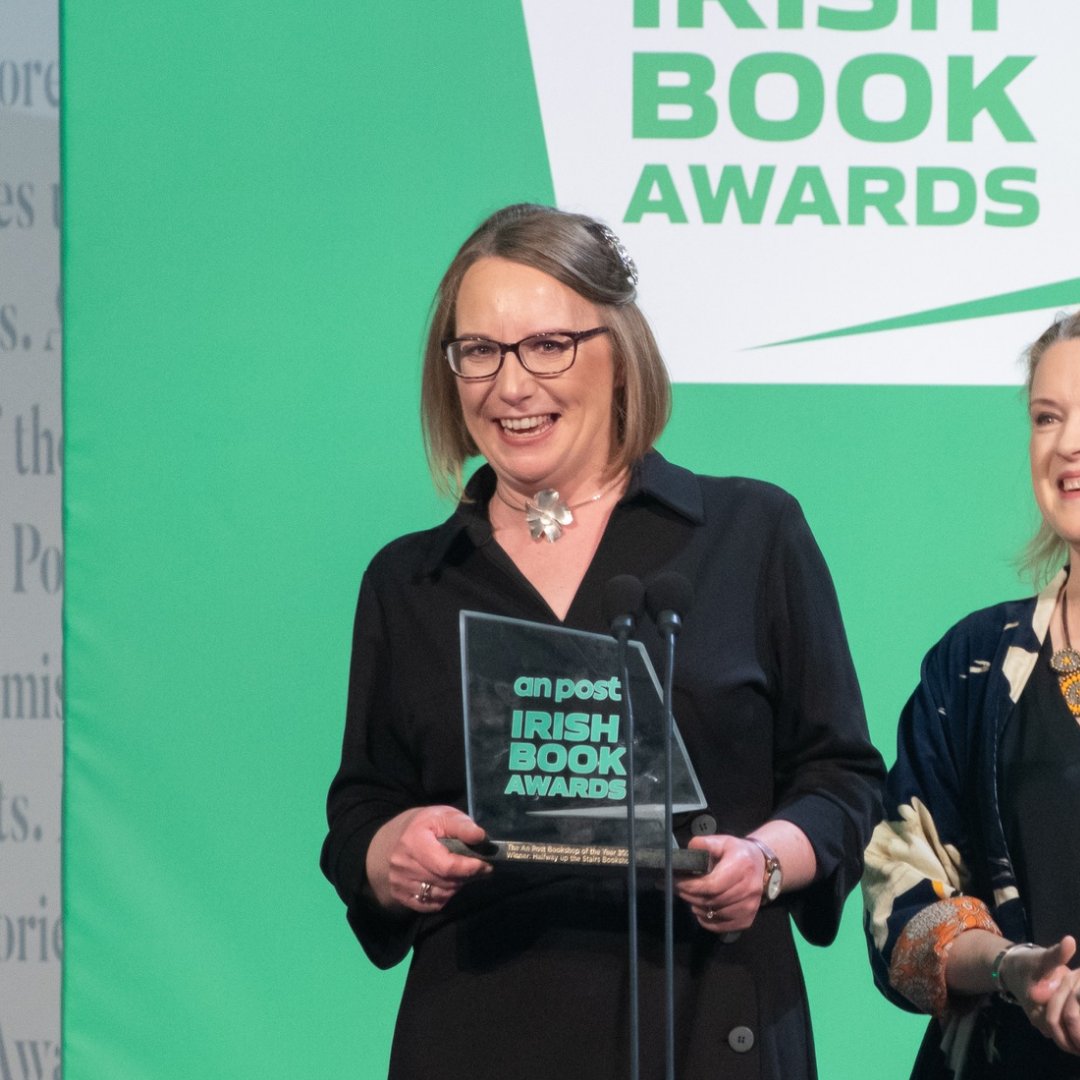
(424, 895)
(710, 914)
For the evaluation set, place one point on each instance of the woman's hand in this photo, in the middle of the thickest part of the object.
(727, 898)
(1047, 990)
(407, 867)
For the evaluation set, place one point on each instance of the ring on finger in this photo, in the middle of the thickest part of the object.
(710, 914)
(424, 895)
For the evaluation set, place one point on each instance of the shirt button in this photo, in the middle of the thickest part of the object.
(703, 825)
(741, 1039)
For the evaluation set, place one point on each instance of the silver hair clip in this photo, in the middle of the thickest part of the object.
(621, 254)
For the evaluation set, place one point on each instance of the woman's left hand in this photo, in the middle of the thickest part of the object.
(727, 898)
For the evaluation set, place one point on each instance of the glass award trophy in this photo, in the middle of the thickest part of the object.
(546, 748)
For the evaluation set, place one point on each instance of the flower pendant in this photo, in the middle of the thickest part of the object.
(1065, 661)
(546, 514)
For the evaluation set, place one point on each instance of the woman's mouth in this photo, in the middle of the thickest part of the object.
(526, 425)
(1069, 483)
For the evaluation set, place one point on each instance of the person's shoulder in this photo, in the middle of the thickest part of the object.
(410, 554)
(745, 489)
(981, 631)
(722, 492)
(756, 503)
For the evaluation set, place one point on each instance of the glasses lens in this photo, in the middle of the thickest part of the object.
(473, 358)
(548, 353)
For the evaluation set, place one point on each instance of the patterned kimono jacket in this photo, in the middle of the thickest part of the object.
(939, 864)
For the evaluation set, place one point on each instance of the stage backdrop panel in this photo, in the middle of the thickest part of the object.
(31, 549)
(258, 207)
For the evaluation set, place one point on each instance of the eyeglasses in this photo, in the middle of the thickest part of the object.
(553, 353)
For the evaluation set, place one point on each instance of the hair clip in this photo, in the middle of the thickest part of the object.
(621, 254)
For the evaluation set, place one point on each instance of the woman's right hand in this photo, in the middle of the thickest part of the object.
(1048, 990)
(407, 867)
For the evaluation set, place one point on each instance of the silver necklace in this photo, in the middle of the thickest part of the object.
(547, 515)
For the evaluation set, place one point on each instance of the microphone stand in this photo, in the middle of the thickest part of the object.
(631, 859)
(666, 596)
(623, 602)
(669, 876)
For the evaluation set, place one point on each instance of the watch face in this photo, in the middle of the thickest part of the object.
(772, 886)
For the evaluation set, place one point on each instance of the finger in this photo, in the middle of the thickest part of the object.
(1055, 956)
(1067, 947)
(426, 896)
(408, 875)
(733, 876)
(727, 922)
(1053, 1011)
(431, 857)
(455, 823)
(730, 916)
(452, 868)
(1042, 990)
(1070, 1022)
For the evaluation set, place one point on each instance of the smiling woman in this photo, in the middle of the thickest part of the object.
(537, 430)
(1054, 406)
(539, 361)
(973, 885)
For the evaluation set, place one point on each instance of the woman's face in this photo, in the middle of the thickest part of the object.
(536, 433)
(1055, 439)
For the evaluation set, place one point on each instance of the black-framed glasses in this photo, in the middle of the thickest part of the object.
(549, 353)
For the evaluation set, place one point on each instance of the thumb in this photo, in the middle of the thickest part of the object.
(1046, 977)
(1054, 956)
(1042, 991)
(455, 823)
(1067, 945)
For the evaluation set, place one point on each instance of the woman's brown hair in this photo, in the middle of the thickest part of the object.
(586, 256)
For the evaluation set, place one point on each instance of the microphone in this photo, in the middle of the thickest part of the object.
(669, 597)
(624, 601)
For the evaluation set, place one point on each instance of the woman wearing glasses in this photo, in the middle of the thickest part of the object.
(539, 361)
(972, 886)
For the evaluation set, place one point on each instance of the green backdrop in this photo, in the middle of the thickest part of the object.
(259, 200)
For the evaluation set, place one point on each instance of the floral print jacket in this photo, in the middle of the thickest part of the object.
(938, 864)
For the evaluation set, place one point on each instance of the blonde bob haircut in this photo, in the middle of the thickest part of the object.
(585, 256)
(1046, 552)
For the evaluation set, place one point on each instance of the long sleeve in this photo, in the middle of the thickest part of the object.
(938, 865)
(916, 868)
(828, 774)
(375, 782)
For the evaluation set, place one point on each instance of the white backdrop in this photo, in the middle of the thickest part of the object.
(840, 165)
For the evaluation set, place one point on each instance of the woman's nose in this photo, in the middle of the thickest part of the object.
(514, 380)
(1069, 441)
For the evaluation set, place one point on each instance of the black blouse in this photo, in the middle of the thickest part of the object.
(1039, 786)
(1040, 801)
(525, 975)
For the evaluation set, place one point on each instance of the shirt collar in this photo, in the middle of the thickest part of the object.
(653, 478)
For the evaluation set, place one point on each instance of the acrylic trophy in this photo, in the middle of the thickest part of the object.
(545, 740)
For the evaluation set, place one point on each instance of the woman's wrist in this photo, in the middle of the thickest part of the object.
(997, 971)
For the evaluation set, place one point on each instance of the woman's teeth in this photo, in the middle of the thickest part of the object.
(524, 423)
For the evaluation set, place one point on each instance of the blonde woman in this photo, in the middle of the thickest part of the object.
(972, 884)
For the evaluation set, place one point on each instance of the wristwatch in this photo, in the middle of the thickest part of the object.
(774, 875)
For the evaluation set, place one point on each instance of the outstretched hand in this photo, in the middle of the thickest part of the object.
(1048, 990)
